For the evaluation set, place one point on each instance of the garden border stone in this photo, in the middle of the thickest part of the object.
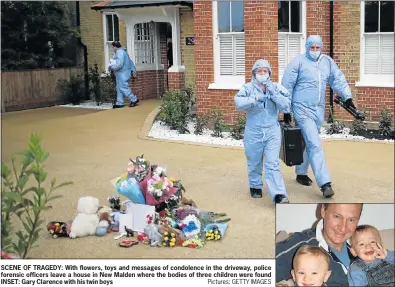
(149, 120)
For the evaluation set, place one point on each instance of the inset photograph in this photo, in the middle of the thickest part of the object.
(335, 244)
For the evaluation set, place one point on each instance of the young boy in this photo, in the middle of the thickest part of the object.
(373, 265)
(310, 267)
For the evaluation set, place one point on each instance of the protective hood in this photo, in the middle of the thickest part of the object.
(313, 39)
(261, 64)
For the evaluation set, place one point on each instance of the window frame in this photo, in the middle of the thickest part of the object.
(152, 41)
(371, 80)
(221, 81)
(303, 33)
(106, 54)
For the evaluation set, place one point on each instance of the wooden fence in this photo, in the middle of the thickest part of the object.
(33, 88)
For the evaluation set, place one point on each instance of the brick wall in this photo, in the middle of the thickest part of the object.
(92, 33)
(261, 34)
(145, 85)
(187, 52)
(260, 18)
(347, 56)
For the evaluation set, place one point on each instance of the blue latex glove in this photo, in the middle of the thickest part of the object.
(270, 89)
(261, 97)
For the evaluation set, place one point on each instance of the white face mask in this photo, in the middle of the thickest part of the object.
(262, 79)
(315, 54)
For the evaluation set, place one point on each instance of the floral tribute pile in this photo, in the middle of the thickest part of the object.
(177, 221)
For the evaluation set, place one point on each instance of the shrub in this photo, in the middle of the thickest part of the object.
(72, 90)
(25, 203)
(336, 127)
(201, 122)
(237, 131)
(385, 123)
(108, 88)
(358, 127)
(95, 88)
(217, 119)
(175, 109)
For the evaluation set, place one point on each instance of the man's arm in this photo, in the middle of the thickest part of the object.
(134, 70)
(338, 81)
(290, 76)
(356, 277)
(282, 97)
(243, 99)
(120, 60)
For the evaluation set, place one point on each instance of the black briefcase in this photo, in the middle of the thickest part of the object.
(292, 145)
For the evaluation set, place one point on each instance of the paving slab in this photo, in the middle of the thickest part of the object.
(91, 147)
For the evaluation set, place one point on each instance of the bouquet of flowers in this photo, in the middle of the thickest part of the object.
(138, 168)
(158, 187)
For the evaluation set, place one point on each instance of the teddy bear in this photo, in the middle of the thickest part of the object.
(105, 220)
(87, 219)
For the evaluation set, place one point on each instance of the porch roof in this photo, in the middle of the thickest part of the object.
(131, 4)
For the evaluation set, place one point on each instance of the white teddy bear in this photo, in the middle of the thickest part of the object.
(87, 219)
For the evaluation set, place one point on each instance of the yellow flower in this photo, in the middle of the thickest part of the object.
(172, 179)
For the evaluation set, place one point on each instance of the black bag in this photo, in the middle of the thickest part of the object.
(292, 144)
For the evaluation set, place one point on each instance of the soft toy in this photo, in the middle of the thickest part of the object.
(87, 219)
(104, 214)
(151, 230)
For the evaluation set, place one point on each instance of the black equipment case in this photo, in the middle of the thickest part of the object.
(292, 144)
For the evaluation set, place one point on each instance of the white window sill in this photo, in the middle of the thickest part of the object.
(176, 69)
(376, 84)
(227, 83)
(149, 67)
(225, 86)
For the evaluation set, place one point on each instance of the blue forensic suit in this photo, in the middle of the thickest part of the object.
(262, 134)
(123, 67)
(306, 79)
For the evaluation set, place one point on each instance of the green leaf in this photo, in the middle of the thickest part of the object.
(42, 201)
(54, 197)
(5, 171)
(63, 184)
(26, 191)
(40, 191)
(44, 208)
(28, 228)
(53, 182)
(13, 196)
(42, 176)
(36, 210)
(22, 182)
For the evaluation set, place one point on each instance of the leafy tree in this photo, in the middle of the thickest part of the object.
(34, 33)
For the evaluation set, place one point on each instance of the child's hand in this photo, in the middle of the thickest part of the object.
(380, 250)
(285, 283)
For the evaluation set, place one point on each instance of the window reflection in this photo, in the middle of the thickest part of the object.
(371, 16)
(223, 16)
(237, 16)
(283, 16)
(387, 16)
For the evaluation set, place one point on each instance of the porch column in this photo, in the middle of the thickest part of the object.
(176, 72)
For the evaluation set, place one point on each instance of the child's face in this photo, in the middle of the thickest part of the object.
(310, 270)
(364, 245)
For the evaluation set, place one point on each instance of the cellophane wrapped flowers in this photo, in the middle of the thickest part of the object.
(178, 221)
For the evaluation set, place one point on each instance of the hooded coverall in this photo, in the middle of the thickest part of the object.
(262, 134)
(123, 67)
(306, 80)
